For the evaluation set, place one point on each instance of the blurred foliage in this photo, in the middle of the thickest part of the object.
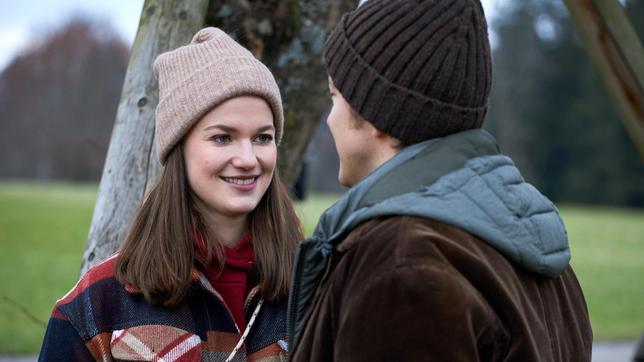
(551, 113)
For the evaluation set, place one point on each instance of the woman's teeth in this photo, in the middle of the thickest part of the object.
(240, 181)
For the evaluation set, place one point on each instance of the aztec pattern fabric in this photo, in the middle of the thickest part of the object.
(100, 319)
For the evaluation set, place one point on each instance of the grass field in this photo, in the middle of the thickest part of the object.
(608, 257)
(42, 237)
(43, 229)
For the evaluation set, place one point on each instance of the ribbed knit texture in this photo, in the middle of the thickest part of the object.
(415, 69)
(197, 77)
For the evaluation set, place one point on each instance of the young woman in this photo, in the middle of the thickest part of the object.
(204, 271)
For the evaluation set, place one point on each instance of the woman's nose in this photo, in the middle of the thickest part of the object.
(245, 157)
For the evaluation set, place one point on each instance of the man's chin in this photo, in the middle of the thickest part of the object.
(345, 182)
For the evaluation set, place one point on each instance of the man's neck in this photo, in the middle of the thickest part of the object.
(383, 153)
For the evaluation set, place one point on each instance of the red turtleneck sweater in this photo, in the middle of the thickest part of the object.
(236, 279)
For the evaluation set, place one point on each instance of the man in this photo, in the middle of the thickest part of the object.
(440, 250)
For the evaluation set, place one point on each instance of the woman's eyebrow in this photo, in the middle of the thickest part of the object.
(268, 127)
(222, 127)
(228, 129)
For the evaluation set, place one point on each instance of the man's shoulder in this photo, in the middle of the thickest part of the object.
(404, 253)
(400, 232)
(396, 241)
(416, 243)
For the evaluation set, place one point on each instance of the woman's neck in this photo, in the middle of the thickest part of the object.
(229, 230)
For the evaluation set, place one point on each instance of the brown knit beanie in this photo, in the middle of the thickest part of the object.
(416, 69)
(197, 77)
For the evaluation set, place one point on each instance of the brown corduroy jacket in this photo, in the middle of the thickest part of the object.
(411, 289)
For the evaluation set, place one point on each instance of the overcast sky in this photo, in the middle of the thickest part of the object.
(21, 21)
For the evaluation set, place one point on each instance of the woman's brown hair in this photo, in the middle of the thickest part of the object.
(158, 252)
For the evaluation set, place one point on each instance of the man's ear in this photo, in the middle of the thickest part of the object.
(376, 133)
(386, 138)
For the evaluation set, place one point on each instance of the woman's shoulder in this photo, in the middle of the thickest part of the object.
(93, 280)
(90, 306)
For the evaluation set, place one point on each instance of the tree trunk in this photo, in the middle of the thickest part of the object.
(615, 49)
(131, 165)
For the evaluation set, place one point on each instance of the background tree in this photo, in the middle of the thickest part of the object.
(58, 101)
(551, 112)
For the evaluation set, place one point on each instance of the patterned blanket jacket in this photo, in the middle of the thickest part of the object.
(100, 319)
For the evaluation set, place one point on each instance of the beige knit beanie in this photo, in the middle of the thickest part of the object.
(197, 77)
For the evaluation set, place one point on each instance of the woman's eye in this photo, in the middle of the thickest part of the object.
(220, 138)
(264, 138)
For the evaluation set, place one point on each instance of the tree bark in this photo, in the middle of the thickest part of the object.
(131, 165)
(616, 51)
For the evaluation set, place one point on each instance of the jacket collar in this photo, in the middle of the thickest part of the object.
(414, 168)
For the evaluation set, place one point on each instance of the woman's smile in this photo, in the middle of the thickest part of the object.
(242, 183)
